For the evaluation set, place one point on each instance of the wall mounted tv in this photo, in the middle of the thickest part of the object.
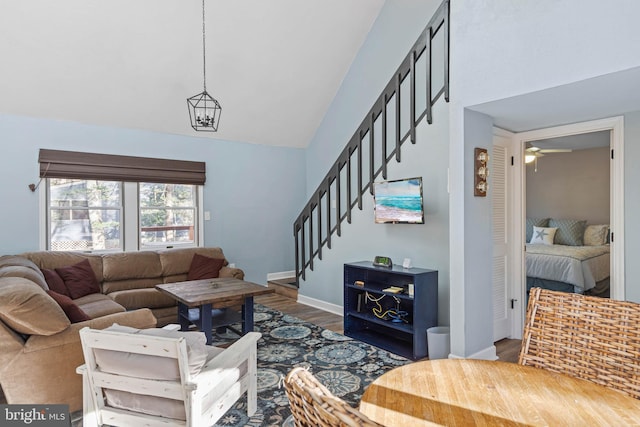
(398, 202)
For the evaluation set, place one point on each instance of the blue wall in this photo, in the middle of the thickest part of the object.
(253, 191)
(632, 205)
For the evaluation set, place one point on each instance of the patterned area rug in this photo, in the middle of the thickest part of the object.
(344, 365)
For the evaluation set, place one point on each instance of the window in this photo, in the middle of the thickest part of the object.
(167, 214)
(103, 202)
(84, 215)
(92, 215)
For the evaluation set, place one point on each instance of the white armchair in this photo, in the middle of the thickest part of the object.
(156, 376)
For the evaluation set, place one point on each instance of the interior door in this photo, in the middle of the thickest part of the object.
(500, 215)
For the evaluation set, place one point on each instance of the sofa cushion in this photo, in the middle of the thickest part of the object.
(55, 282)
(27, 309)
(128, 284)
(17, 266)
(54, 259)
(131, 265)
(203, 267)
(140, 298)
(98, 305)
(79, 279)
(178, 261)
(153, 367)
(73, 312)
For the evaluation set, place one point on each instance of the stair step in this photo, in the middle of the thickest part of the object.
(285, 287)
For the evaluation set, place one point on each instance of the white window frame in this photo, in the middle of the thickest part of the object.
(130, 209)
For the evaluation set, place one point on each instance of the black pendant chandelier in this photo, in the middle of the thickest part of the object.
(204, 110)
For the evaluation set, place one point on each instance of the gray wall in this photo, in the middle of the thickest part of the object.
(253, 192)
(570, 185)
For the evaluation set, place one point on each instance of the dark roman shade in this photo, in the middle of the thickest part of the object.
(109, 167)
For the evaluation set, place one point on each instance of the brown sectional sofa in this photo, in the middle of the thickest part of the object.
(40, 349)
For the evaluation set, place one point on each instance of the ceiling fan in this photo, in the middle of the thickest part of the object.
(532, 153)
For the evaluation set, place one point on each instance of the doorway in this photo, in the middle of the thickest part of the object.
(615, 127)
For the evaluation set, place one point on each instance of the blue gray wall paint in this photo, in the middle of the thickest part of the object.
(252, 191)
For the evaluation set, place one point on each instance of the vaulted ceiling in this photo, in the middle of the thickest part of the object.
(274, 65)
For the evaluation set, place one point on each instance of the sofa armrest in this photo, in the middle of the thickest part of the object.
(231, 272)
(141, 319)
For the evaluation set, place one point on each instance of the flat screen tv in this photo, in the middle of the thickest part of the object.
(398, 202)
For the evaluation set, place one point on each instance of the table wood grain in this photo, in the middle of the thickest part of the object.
(219, 292)
(455, 392)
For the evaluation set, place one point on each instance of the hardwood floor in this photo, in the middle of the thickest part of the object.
(507, 349)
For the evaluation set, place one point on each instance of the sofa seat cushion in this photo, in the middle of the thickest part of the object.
(17, 266)
(140, 298)
(126, 284)
(98, 305)
(27, 309)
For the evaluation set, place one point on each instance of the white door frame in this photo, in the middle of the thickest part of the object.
(616, 204)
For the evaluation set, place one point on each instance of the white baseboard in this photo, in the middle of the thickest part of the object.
(488, 353)
(281, 275)
(322, 305)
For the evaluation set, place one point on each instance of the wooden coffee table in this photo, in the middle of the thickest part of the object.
(202, 302)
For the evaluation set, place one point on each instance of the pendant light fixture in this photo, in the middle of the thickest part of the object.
(204, 110)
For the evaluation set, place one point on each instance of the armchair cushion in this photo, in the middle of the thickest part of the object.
(79, 279)
(203, 267)
(153, 367)
(27, 309)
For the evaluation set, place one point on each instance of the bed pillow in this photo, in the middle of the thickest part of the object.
(535, 222)
(570, 231)
(596, 235)
(543, 235)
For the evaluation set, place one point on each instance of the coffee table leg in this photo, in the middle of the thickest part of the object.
(183, 316)
(247, 315)
(205, 321)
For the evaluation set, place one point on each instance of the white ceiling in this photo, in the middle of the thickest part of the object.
(274, 65)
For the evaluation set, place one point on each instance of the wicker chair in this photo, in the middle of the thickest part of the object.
(592, 338)
(313, 405)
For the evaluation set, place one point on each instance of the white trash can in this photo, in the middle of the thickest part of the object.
(438, 342)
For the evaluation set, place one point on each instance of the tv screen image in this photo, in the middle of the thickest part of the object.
(398, 202)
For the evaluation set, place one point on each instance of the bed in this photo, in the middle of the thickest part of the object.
(568, 268)
(568, 255)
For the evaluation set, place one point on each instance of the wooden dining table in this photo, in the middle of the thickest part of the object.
(465, 392)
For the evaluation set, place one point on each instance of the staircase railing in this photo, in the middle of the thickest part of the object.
(316, 224)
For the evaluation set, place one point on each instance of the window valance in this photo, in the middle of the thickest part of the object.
(109, 167)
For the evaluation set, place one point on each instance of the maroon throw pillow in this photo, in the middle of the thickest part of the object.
(55, 282)
(70, 308)
(79, 279)
(203, 267)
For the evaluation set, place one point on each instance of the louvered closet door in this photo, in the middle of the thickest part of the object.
(500, 216)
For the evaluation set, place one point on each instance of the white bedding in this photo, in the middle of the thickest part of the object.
(580, 266)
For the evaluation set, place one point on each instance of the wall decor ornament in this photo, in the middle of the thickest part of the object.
(481, 172)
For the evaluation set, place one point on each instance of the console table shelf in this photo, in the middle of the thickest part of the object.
(417, 312)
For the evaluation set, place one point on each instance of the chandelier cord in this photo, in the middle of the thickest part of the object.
(204, 56)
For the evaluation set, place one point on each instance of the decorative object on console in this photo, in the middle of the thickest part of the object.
(382, 261)
(481, 172)
(204, 111)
